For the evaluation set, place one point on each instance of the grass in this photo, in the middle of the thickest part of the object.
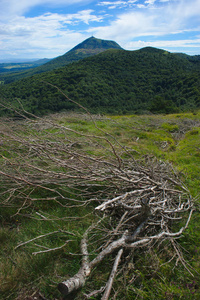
(174, 138)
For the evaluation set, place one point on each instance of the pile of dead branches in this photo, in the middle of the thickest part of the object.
(137, 202)
(155, 202)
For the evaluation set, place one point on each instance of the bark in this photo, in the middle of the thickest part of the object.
(112, 276)
(78, 281)
(74, 283)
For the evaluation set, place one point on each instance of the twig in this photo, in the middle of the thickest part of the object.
(94, 293)
(41, 236)
(52, 249)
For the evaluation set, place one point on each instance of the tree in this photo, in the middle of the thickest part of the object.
(160, 105)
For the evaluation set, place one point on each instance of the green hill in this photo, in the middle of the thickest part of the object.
(115, 81)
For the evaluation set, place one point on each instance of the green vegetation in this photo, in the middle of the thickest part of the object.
(115, 82)
(174, 138)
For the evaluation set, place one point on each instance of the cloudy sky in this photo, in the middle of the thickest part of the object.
(49, 28)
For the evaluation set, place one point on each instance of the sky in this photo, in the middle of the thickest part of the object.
(31, 29)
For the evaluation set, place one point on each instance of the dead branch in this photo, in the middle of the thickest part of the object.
(94, 293)
(43, 235)
(112, 276)
(135, 204)
(52, 249)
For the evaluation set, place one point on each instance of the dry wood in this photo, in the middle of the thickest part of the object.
(43, 235)
(137, 202)
(52, 249)
(112, 276)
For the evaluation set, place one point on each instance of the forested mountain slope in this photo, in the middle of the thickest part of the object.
(115, 81)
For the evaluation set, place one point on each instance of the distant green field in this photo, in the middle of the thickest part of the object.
(15, 66)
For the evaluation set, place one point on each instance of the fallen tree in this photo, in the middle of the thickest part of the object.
(137, 203)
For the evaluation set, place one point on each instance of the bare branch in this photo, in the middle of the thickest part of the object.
(43, 235)
(52, 249)
(112, 276)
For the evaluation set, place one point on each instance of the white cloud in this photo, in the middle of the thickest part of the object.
(84, 16)
(150, 2)
(141, 6)
(164, 44)
(53, 34)
(163, 20)
(126, 26)
(48, 33)
(13, 7)
(115, 4)
(111, 3)
(47, 23)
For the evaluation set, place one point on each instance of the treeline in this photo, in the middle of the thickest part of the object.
(115, 81)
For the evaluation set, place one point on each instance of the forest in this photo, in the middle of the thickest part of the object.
(113, 82)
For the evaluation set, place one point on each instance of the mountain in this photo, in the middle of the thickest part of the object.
(94, 45)
(114, 81)
(87, 48)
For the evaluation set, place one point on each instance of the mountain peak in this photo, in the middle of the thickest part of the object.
(99, 45)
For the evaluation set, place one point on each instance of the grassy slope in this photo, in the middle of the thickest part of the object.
(174, 138)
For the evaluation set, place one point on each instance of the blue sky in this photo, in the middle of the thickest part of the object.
(49, 28)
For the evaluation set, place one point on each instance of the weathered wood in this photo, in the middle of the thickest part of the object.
(126, 241)
(74, 283)
(112, 276)
(78, 281)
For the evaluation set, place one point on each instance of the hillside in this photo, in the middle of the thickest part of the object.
(115, 81)
(87, 48)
